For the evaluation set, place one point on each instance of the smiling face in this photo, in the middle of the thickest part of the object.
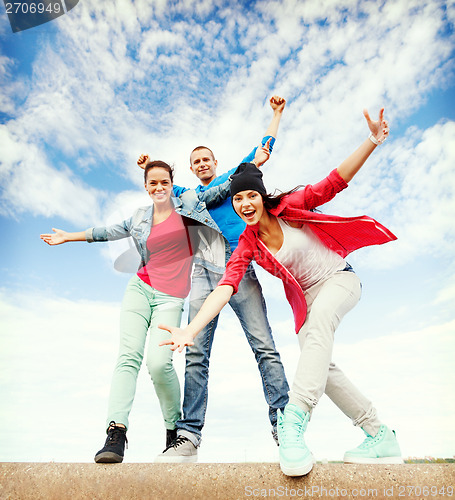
(159, 186)
(249, 206)
(203, 165)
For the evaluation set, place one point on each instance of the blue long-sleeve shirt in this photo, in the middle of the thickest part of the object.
(230, 224)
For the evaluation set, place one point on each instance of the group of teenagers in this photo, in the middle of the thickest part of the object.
(202, 242)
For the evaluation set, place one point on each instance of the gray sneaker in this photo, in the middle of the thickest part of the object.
(181, 450)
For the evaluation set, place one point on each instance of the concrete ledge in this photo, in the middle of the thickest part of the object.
(61, 481)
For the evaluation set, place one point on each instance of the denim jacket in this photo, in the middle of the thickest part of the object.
(209, 245)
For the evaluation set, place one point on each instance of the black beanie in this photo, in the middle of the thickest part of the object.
(247, 177)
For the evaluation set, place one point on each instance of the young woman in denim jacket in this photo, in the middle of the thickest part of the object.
(307, 251)
(166, 235)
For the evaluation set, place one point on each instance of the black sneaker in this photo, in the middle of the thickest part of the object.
(171, 435)
(114, 447)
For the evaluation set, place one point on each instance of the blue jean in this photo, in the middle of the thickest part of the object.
(144, 308)
(249, 305)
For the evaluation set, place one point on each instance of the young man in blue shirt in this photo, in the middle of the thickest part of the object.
(248, 304)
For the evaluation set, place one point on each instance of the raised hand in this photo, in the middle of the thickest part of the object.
(143, 160)
(179, 338)
(380, 128)
(277, 103)
(56, 238)
(262, 154)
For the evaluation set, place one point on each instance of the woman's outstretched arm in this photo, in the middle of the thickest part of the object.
(379, 131)
(212, 306)
(59, 236)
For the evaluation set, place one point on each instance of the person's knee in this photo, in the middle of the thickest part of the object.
(159, 368)
(132, 359)
(324, 318)
(196, 357)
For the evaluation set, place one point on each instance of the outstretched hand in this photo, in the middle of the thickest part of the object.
(56, 238)
(179, 338)
(262, 154)
(379, 128)
(143, 160)
(277, 103)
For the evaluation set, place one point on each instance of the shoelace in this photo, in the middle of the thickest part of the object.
(177, 442)
(291, 429)
(370, 440)
(115, 435)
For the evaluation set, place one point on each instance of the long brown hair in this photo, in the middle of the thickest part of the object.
(271, 201)
(159, 164)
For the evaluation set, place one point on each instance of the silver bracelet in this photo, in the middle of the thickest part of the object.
(374, 140)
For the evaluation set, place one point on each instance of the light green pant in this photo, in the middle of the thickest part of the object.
(145, 307)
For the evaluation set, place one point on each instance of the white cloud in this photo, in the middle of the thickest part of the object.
(447, 293)
(421, 361)
(57, 358)
(412, 192)
(31, 184)
(102, 90)
(123, 78)
(153, 40)
(6, 96)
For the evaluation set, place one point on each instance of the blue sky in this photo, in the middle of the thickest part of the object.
(82, 96)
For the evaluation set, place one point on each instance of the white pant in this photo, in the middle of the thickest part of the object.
(328, 301)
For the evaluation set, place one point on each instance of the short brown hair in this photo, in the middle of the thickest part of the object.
(202, 147)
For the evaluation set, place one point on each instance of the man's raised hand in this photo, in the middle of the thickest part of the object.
(262, 154)
(143, 160)
(277, 103)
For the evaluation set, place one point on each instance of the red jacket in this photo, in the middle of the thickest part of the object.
(342, 234)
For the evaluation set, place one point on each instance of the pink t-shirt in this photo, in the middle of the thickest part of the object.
(169, 266)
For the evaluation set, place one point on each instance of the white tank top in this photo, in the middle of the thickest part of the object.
(305, 256)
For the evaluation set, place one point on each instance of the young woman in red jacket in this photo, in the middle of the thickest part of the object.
(307, 251)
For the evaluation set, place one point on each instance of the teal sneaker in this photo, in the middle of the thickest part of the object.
(295, 458)
(380, 449)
